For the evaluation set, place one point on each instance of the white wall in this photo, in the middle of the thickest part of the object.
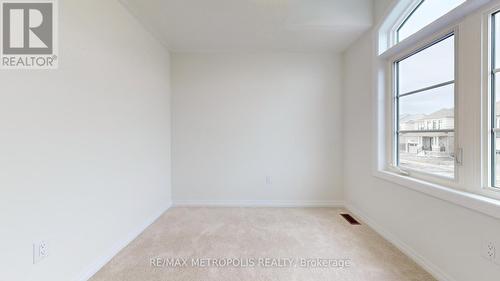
(446, 236)
(85, 149)
(238, 118)
(379, 8)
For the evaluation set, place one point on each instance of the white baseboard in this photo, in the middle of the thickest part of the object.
(119, 245)
(435, 271)
(256, 203)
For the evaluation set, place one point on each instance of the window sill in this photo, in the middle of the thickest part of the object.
(478, 203)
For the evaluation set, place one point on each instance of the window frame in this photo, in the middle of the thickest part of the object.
(406, 16)
(492, 99)
(393, 145)
(472, 18)
(489, 99)
(410, 8)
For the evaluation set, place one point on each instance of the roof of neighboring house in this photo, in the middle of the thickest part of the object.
(442, 113)
(407, 118)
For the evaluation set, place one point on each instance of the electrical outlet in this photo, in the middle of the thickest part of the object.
(488, 250)
(40, 251)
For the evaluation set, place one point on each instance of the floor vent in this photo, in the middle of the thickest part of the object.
(350, 219)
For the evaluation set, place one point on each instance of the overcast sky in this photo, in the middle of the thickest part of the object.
(430, 67)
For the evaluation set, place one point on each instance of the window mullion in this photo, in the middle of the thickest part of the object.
(428, 88)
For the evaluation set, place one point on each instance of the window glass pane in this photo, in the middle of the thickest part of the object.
(496, 123)
(497, 41)
(427, 12)
(429, 110)
(426, 118)
(430, 153)
(431, 66)
(496, 99)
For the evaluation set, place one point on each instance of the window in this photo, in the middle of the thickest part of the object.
(425, 12)
(495, 101)
(437, 101)
(425, 97)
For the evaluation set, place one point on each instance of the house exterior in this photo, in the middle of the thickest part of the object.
(436, 137)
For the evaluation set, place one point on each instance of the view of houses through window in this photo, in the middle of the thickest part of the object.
(425, 103)
(425, 150)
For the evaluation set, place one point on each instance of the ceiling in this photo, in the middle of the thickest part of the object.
(254, 25)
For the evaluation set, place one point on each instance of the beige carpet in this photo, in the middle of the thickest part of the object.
(259, 244)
